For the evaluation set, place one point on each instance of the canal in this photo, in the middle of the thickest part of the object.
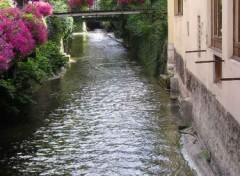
(105, 116)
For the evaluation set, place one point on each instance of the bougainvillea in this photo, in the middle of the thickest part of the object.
(21, 31)
(12, 13)
(80, 4)
(36, 27)
(6, 53)
(44, 7)
(16, 34)
(38, 8)
(30, 9)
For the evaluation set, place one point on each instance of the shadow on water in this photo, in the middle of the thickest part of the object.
(105, 116)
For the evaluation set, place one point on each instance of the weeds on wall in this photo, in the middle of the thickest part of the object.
(146, 36)
(60, 28)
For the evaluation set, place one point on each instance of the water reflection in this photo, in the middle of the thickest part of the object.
(104, 117)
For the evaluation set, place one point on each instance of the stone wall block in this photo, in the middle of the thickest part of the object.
(174, 88)
(186, 107)
(217, 128)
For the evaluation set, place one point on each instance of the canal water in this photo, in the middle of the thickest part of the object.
(104, 117)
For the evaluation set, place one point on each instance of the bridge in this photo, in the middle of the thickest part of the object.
(100, 13)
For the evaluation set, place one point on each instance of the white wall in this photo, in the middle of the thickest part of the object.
(228, 93)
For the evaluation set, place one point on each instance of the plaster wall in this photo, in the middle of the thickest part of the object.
(192, 31)
(215, 106)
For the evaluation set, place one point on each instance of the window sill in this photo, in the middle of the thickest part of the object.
(180, 14)
(216, 51)
(236, 58)
(218, 84)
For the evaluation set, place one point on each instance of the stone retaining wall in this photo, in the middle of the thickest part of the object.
(217, 128)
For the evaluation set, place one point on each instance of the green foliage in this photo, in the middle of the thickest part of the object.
(206, 154)
(50, 57)
(107, 4)
(30, 74)
(5, 4)
(60, 27)
(8, 87)
(59, 5)
(147, 36)
(113, 4)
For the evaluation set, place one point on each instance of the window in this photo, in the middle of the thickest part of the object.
(236, 28)
(218, 69)
(216, 39)
(178, 5)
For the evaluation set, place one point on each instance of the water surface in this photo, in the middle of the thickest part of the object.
(105, 116)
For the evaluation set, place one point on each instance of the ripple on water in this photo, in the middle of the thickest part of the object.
(110, 122)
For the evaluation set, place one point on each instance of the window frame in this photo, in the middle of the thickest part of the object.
(236, 29)
(216, 24)
(178, 7)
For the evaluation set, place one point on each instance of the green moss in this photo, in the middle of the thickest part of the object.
(206, 155)
(146, 35)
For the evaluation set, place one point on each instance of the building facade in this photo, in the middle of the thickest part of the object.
(204, 46)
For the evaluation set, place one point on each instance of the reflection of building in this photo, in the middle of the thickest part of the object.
(204, 45)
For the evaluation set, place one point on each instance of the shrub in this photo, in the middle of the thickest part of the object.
(15, 33)
(126, 2)
(15, 93)
(55, 58)
(6, 53)
(44, 8)
(37, 28)
(21, 31)
(38, 9)
(80, 4)
(30, 9)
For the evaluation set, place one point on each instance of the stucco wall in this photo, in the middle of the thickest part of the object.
(215, 126)
(187, 39)
(170, 20)
(215, 106)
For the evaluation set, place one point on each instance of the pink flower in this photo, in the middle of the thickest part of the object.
(6, 54)
(31, 9)
(37, 28)
(44, 7)
(13, 13)
(21, 31)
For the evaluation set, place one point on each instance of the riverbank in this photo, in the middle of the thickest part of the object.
(194, 153)
(113, 120)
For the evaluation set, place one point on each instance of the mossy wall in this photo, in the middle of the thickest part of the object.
(146, 36)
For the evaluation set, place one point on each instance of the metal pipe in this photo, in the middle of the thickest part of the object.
(229, 79)
(210, 61)
(196, 51)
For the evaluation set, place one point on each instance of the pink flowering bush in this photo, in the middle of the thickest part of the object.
(80, 4)
(12, 13)
(21, 31)
(6, 53)
(16, 35)
(30, 9)
(44, 8)
(21, 38)
(37, 28)
(38, 9)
